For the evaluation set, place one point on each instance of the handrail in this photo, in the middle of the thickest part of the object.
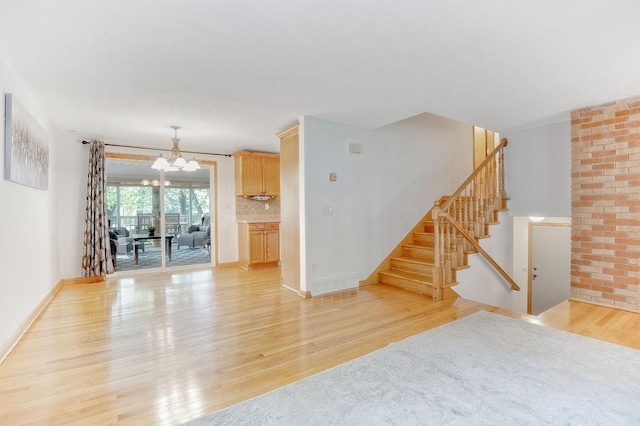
(503, 143)
(480, 250)
(465, 216)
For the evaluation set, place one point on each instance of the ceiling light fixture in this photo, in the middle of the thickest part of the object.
(176, 161)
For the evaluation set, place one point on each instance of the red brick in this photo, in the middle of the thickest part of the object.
(604, 216)
(586, 120)
(616, 120)
(614, 246)
(589, 112)
(602, 289)
(627, 138)
(579, 285)
(613, 272)
(628, 177)
(591, 161)
(617, 297)
(627, 112)
(603, 166)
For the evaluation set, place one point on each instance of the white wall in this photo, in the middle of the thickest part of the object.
(71, 174)
(227, 226)
(538, 170)
(481, 282)
(380, 194)
(538, 181)
(30, 235)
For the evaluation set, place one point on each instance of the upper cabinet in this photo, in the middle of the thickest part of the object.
(257, 173)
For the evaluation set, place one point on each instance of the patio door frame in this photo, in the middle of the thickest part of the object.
(213, 203)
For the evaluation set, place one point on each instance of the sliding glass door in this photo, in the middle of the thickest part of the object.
(187, 217)
(160, 220)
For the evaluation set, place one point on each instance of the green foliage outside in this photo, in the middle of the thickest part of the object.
(124, 203)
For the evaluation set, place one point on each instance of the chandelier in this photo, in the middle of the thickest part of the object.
(175, 161)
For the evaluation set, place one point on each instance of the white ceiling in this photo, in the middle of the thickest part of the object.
(233, 73)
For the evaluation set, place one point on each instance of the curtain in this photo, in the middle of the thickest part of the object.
(97, 248)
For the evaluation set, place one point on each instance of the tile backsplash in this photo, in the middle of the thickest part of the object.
(247, 208)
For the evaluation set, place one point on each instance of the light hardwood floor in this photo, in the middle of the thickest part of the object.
(167, 348)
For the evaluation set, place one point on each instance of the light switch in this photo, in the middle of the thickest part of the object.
(333, 177)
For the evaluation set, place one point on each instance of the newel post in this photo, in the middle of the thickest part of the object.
(501, 187)
(437, 266)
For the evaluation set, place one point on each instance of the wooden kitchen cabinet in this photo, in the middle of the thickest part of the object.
(257, 173)
(259, 245)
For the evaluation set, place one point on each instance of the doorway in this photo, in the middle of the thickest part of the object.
(162, 220)
(549, 265)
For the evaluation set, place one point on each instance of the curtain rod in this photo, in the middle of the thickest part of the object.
(158, 149)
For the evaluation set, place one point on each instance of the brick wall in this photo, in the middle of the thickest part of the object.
(605, 204)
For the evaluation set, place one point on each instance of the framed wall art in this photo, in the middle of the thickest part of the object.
(26, 147)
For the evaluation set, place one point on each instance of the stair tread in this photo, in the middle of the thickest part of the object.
(412, 245)
(413, 260)
(412, 276)
(461, 267)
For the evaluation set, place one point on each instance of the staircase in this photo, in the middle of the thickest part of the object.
(427, 260)
(414, 269)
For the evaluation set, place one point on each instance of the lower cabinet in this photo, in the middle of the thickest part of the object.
(259, 245)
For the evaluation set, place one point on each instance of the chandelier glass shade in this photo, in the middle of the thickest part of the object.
(176, 161)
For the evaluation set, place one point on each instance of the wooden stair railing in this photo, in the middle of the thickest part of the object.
(465, 216)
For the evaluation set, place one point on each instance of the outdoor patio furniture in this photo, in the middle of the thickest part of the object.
(124, 241)
(197, 235)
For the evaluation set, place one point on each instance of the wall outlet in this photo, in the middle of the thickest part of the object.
(266, 206)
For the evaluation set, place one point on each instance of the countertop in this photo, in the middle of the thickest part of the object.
(258, 219)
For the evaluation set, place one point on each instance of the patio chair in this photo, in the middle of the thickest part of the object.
(197, 235)
(124, 241)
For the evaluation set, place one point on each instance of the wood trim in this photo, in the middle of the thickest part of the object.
(301, 293)
(228, 264)
(257, 154)
(213, 191)
(141, 157)
(290, 248)
(289, 131)
(612, 307)
(14, 339)
(135, 157)
(396, 252)
(305, 294)
(529, 261)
